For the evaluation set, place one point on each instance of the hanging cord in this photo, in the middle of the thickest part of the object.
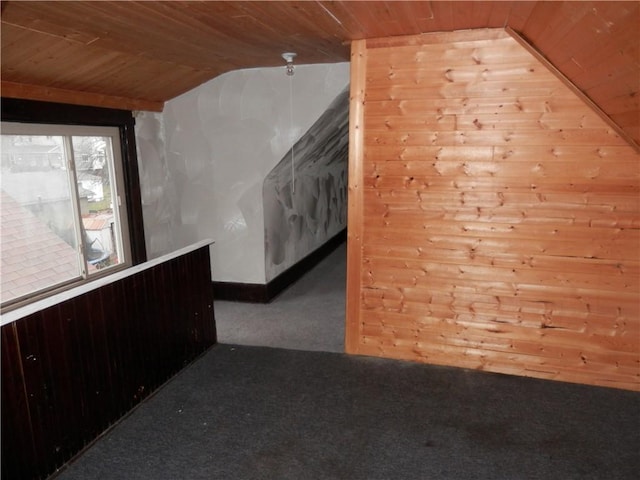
(293, 168)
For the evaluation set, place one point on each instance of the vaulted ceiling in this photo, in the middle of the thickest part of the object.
(137, 55)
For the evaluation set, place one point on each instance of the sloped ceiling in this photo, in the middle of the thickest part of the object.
(137, 55)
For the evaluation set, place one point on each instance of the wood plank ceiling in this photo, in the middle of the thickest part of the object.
(137, 55)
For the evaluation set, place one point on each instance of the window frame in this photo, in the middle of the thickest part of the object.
(18, 111)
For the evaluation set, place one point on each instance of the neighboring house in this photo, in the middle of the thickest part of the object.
(99, 229)
(92, 185)
(31, 153)
(44, 155)
(33, 256)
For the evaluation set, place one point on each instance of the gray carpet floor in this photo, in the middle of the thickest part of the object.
(243, 412)
(309, 315)
(303, 411)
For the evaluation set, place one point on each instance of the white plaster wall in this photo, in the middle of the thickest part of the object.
(203, 160)
(160, 202)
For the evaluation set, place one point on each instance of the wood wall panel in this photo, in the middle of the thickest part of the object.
(72, 370)
(497, 215)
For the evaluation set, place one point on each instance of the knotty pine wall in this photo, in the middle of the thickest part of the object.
(493, 217)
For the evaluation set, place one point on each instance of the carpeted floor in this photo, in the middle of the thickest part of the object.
(302, 411)
(309, 315)
(244, 412)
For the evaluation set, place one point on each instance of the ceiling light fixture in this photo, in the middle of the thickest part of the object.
(288, 57)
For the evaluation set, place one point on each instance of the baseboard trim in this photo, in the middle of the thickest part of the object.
(240, 292)
(264, 293)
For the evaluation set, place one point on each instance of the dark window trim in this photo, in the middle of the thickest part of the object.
(31, 111)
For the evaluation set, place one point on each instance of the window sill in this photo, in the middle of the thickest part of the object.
(39, 305)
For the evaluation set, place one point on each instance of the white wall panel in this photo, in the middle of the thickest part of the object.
(204, 159)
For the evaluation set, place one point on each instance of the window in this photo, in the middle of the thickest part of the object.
(63, 209)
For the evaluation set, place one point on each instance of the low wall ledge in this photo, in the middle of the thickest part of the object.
(39, 305)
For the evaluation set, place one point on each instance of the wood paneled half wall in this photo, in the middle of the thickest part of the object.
(73, 369)
(493, 215)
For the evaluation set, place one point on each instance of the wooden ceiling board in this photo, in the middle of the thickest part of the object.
(601, 57)
(150, 52)
(593, 74)
(373, 16)
(519, 14)
(17, 50)
(629, 118)
(465, 16)
(94, 69)
(543, 21)
(139, 30)
(482, 12)
(616, 76)
(442, 16)
(410, 16)
(303, 26)
(146, 34)
(587, 39)
(34, 51)
(215, 36)
(627, 101)
(574, 40)
(624, 50)
(499, 14)
(38, 22)
(349, 23)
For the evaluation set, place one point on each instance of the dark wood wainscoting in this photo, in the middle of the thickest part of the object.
(72, 370)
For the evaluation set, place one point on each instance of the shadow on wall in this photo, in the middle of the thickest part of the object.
(301, 219)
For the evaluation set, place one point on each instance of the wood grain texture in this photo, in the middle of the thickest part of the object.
(614, 77)
(500, 216)
(75, 97)
(355, 195)
(154, 51)
(72, 370)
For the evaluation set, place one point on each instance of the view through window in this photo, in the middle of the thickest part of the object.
(63, 215)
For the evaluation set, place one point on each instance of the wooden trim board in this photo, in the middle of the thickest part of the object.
(51, 94)
(356, 206)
